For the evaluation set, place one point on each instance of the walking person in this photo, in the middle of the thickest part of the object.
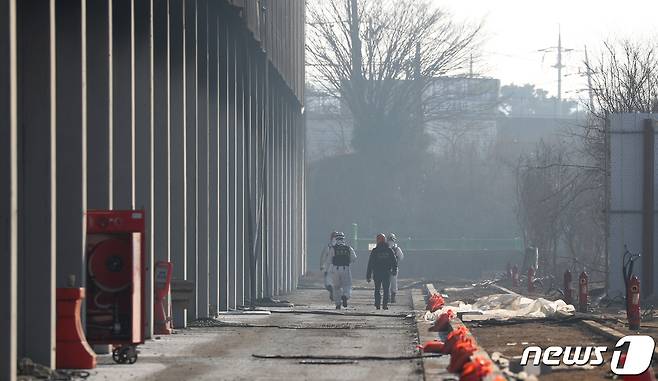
(341, 256)
(392, 242)
(325, 265)
(381, 265)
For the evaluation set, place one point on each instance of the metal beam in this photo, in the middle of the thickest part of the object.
(190, 96)
(202, 149)
(213, 170)
(143, 117)
(224, 284)
(98, 104)
(36, 178)
(177, 147)
(122, 152)
(71, 142)
(8, 191)
(648, 209)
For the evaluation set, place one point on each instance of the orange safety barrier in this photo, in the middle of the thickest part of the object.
(461, 354)
(442, 324)
(476, 369)
(434, 346)
(454, 337)
(435, 303)
(72, 350)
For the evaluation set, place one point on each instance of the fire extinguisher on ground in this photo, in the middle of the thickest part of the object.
(632, 283)
(567, 287)
(583, 292)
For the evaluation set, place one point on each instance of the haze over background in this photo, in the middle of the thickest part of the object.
(515, 31)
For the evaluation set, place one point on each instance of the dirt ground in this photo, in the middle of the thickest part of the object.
(511, 339)
(225, 353)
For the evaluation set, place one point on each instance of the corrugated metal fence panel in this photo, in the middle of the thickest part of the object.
(626, 179)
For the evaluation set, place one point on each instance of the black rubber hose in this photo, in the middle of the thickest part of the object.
(339, 357)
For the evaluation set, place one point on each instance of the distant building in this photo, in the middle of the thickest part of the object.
(328, 126)
(457, 110)
(462, 109)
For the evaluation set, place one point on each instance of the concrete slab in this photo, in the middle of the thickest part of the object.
(213, 353)
(434, 368)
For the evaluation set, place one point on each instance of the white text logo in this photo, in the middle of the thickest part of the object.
(638, 355)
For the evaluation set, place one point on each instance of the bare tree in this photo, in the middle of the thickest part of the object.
(378, 57)
(624, 78)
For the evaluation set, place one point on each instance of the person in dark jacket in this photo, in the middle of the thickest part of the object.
(381, 265)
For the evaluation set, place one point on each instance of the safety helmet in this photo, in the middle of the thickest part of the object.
(340, 237)
(392, 237)
(381, 238)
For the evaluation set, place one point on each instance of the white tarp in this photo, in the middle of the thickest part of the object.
(505, 306)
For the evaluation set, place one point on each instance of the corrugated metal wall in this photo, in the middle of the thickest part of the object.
(190, 109)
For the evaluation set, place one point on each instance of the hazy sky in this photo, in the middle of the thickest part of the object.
(516, 29)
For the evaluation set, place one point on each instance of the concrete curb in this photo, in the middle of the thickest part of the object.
(433, 368)
(425, 335)
(609, 332)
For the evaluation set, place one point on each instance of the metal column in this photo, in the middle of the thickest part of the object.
(190, 49)
(648, 209)
(223, 166)
(71, 142)
(240, 168)
(36, 180)
(213, 170)
(202, 155)
(232, 168)
(122, 106)
(8, 191)
(160, 131)
(143, 82)
(177, 146)
(98, 105)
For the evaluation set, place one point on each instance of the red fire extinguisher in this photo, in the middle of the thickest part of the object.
(567, 287)
(633, 303)
(515, 276)
(531, 279)
(583, 292)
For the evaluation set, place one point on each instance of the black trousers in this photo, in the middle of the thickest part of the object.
(382, 283)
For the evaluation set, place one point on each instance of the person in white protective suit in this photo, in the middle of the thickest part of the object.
(341, 257)
(325, 265)
(392, 241)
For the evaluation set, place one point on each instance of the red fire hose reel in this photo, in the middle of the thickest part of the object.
(107, 264)
(115, 281)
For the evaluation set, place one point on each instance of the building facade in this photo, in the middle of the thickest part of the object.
(189, 109)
